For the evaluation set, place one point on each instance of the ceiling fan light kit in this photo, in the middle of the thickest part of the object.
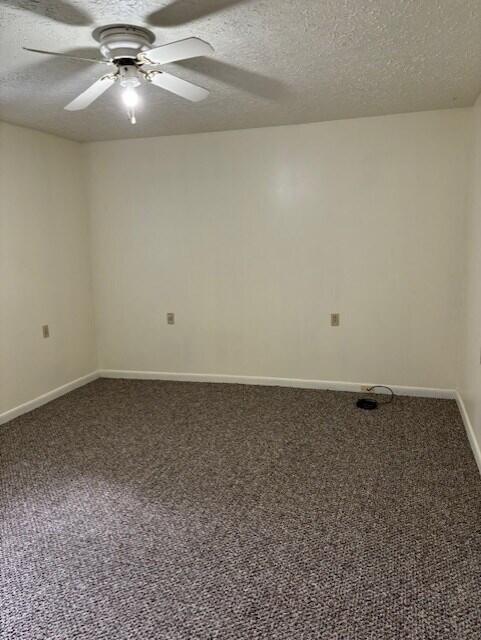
(129, 50)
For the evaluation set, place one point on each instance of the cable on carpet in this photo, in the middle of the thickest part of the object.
(369, 404)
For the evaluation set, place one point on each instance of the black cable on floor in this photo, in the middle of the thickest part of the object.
(369, 404)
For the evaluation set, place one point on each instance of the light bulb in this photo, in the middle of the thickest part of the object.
(130, 97)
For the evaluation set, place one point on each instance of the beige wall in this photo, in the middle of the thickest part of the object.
(470, 387)
(44, 266)
(253, 238)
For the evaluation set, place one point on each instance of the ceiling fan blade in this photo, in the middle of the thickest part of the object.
(178, 86)
(179, 12)
(95, 90)
(67, 55)
(58, 10)
(180, 50)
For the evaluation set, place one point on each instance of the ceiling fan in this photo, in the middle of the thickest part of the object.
(128, 50)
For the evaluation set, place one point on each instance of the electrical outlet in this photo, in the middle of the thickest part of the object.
(45, 331)
(365, 387)
(171, 318)
(335, 320)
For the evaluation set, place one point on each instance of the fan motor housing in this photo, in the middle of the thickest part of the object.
(125, 41)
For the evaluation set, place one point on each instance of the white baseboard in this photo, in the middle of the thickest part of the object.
(333, 385)
(47, 397)
(425, 392)
(476, 449)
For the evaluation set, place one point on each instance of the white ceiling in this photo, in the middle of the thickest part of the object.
(276, 62)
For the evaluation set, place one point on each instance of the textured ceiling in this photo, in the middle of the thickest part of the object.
(275, 62)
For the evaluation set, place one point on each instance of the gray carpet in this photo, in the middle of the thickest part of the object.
(137, 509)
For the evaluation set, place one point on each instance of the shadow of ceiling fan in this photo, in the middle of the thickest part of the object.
(179, 12)
(57, 10)
(131, 58)
(175, 13)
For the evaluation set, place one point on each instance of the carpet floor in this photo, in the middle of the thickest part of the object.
(134, 510)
